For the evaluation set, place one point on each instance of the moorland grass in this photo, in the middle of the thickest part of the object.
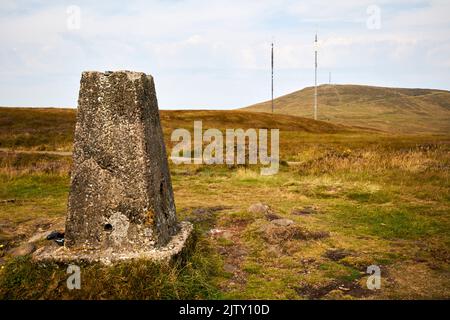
(382, 197)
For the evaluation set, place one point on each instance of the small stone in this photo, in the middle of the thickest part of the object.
(282, 222)
(229, 268)
(344, 288)
(216, 231)
(22, 250)
(259, 208)
(55, 235)
(227, 235)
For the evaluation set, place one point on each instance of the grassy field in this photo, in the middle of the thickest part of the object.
(52, 129)
(357, 198)
(389, 109)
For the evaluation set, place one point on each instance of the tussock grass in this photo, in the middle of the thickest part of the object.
(188, 278)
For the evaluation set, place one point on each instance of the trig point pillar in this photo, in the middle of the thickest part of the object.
(121, 202)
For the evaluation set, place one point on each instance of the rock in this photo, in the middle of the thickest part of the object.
(121, 192)
(282, 222)
(263, 209)
(259, 208)
(55, 235)
(216, 231)
(343, 288)
(22, 250)
(227, 235)
(229, 268)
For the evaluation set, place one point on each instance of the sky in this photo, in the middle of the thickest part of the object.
(216, 54)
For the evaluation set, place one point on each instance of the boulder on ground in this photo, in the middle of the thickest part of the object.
(282, 222)
(259, 208)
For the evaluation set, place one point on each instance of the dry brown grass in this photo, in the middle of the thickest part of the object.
(381, 197)
(276, 235)
(52, 129)
(14, 164)
(388, 109)
(377, 160)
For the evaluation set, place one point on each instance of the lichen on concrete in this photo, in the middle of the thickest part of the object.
(121, 199)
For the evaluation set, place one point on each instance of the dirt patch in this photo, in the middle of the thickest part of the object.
(233, 257)
(233, 252)
(14, 235)
(274, 234)
(436, 255)
(11, 235)
(272, 216)
(353, 289)
(337, 254)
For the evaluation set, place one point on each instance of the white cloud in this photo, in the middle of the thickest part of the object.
(217, 44)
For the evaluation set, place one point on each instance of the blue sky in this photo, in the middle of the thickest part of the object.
(215, 54)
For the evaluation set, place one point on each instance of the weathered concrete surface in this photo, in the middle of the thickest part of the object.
(176, 247)
(121, 197)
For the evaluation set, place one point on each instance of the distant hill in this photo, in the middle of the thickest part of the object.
(52, 128)
(388, 109)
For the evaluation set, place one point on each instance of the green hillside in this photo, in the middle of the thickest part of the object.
(388, 109)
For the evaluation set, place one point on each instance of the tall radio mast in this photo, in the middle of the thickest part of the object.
(315, 79)
(272, 75)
